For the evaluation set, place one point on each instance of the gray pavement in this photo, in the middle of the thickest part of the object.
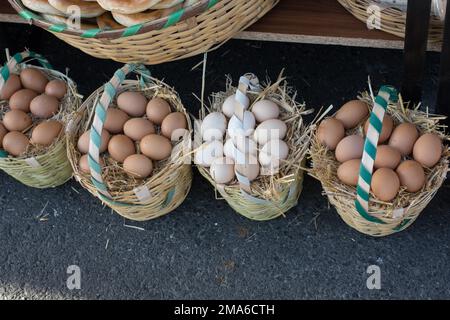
(204, 250)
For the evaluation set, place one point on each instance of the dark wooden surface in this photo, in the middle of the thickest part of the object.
(416, 39)
(443, 98)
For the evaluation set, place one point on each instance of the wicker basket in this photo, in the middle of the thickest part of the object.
(40, 167)
(193, 30)
(393, 20)
(134, 199)
(269, 196)
(381, 218)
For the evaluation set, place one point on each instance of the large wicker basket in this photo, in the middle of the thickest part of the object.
(193, 30)
(134, 199)
(269, 196)
(48, 167)
(381, 218)
(393, 20)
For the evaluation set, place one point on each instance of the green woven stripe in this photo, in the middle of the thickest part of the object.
(44, 62)
(28, 15)
(131, 31)
(5, 73)
(100, 186)
(169, 197)
(376, 123)
(100, 112)
(363, 194)
(120, 75)
(212, 3)
(115, 203)
(95, 165)
(367, 177)
(365, 215)
(402, 225)
(380, 100)
(370, 149)
(393, 94)
(3, 154)
(174, 18)
(57, 27)
(110, 90)
(91, 33)
(96, 138)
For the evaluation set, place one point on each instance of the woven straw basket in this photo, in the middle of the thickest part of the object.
(190, 31)
(393, 20)
(269, 196)
(380, 218)
(40, 167)
(134, 199)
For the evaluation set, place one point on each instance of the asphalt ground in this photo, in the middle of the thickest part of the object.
(203, 250)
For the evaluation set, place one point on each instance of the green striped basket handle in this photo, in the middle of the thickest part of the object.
(386, 95)
(162, 23)
(110, 91)
(17, 59)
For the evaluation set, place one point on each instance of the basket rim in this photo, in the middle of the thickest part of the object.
(159, 24)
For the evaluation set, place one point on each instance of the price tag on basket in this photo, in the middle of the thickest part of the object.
(386, 94)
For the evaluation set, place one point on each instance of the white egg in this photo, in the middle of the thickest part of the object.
(230, 150)
(272, 152)
(207, 152)
(228, 106)
(249, 168)
(269, 130)
(265, 110)
(222, 170)
(243, 128)
(245, 144)
(213, 126)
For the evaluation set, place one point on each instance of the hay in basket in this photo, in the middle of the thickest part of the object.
(381, 218)
(136, 199)
(40, 167)
(270, 195)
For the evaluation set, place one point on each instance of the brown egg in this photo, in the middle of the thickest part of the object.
(3, 132)
(21, 100)
(138, 166)
(387, 157)
(156, 147)
(83, 141)
(115, 119)
(348, 172)
(386, 131)
(56, 88)
(16, 120)
(120, 147)
(33, 79)
(349, 148)
(10, 87)
(352, 113)
(330, 132)
(411, 175)
(428, 150)
(157, 110)
(385, 184)
(403, 138)
(83, 164)
(138, 128)
(174, 121)
(44, 106)
(46, 132)
(15, 143)
(133, 103)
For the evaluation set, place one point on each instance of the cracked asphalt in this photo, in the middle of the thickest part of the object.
(203, 250)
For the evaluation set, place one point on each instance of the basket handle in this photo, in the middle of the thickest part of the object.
(386, 95)
(110, 90)
(17, 59)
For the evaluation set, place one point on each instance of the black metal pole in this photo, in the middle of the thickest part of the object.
(443, 97)
(416, 39)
